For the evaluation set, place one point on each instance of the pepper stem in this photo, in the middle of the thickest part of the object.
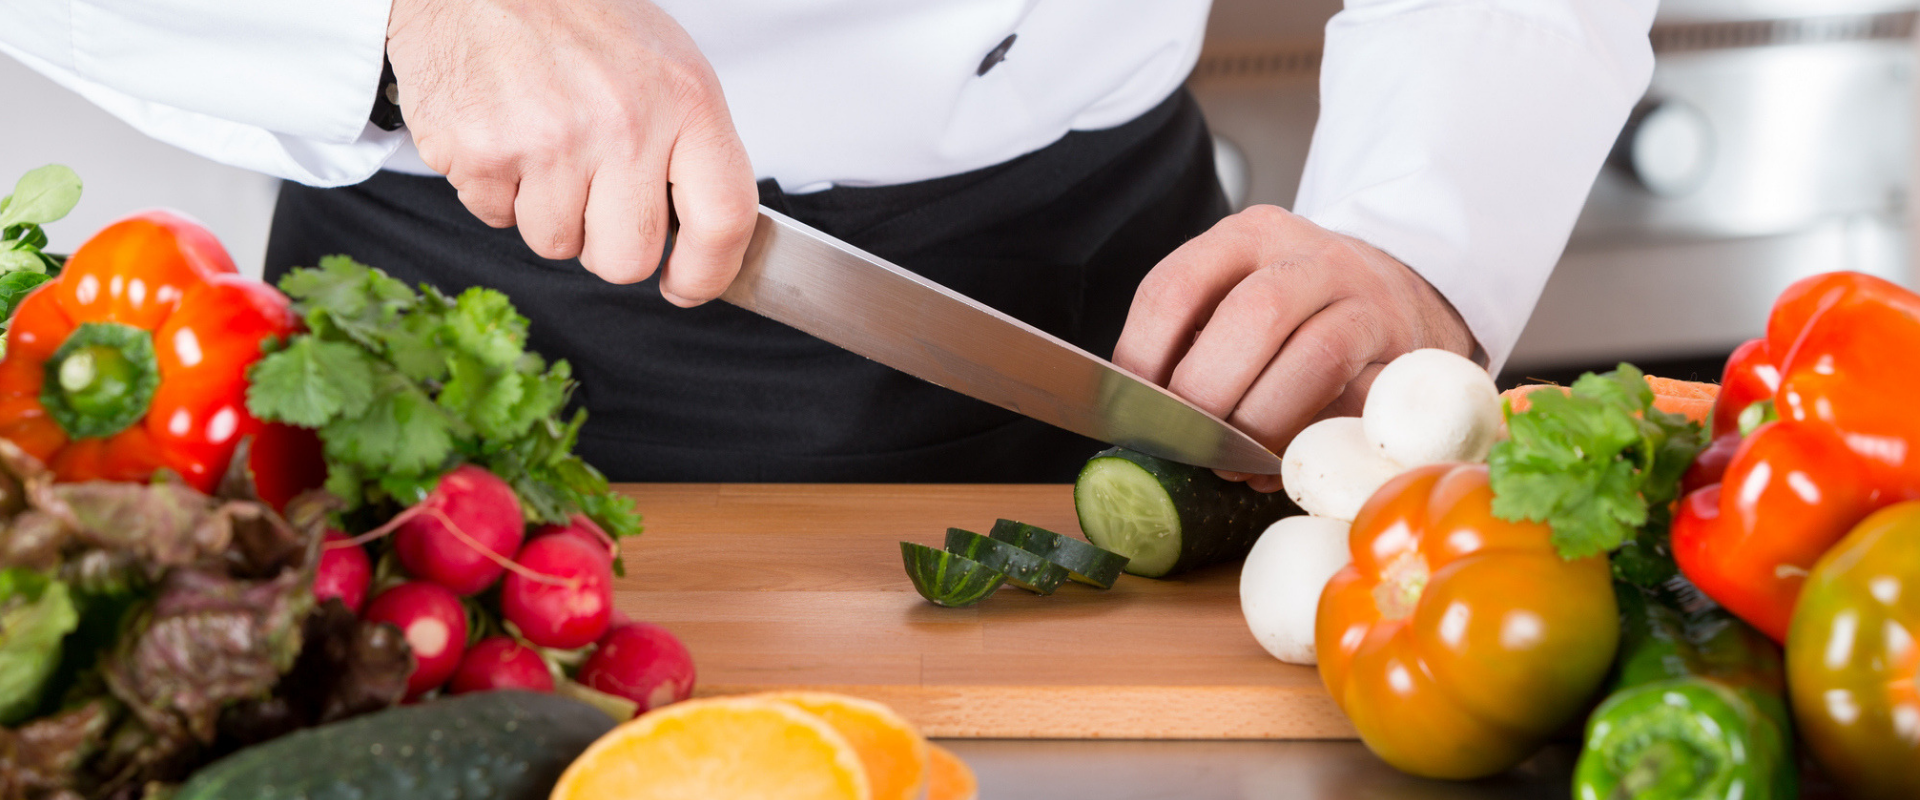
(1401, 583)
(101, 380)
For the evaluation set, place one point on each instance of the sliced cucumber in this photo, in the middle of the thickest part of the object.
(1168, 517)
(1084, 562)
(946, 579)
(1027, 570)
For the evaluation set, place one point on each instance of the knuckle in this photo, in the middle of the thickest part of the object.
(1265, 216)
(554, 243)
(490, 202)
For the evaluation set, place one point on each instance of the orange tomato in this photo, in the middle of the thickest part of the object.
(1456, 641)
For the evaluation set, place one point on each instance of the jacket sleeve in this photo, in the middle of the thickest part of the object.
(278, 86)
(1462, 137)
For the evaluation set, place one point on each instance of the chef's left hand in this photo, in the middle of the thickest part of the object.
(1271, 322)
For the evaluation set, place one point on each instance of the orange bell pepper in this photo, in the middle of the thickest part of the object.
(1456, 641)
(1841, 366)
(135, 360)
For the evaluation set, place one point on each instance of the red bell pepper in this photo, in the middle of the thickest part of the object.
(1841, 366)
(135, 360)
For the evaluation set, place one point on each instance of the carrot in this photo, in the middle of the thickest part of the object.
(1691, 399)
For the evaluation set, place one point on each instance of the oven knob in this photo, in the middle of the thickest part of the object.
(1667, 147)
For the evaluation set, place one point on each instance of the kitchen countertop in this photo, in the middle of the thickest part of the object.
(780, 587)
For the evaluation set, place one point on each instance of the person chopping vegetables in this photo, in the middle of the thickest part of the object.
(1037, 155)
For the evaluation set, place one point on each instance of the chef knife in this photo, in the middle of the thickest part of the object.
(830, 289)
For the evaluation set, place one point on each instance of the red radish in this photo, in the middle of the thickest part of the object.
(344, 571)
(434, 624)
(470, 507)
(584, 527)
(642, 662)
(501, 662)
(570, 604)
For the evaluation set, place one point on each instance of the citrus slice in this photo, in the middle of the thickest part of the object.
(949, 778)
(732, 748)
(894, 754)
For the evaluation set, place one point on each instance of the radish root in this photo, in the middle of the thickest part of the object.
(413, 511)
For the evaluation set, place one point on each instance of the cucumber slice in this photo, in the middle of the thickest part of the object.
(946, 579)
(1167, 517)
(1029, 571)
(1085, 563)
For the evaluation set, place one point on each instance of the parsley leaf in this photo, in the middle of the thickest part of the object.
(403, 385)
(317, 381)
(1600, 464)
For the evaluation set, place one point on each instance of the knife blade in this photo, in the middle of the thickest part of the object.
(825, 287)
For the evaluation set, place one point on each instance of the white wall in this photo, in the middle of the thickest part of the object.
(123, 170)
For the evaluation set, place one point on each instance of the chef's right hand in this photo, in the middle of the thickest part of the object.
(573, 120)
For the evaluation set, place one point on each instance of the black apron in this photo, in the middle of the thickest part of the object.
(1059, 238)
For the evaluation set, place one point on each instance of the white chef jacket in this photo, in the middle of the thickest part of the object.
(1460, 136)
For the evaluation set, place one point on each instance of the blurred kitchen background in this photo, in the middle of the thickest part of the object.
(1777, 141)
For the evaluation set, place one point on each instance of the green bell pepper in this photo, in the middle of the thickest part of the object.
(1697, 711)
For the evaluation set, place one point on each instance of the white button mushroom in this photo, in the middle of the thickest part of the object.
(1330, 469)
(1432, 406)
(1281, 580)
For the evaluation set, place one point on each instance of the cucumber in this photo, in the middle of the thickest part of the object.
(946, 579)
(502, 744)
(1085, 563)
(1167, 518)
(1027, 570)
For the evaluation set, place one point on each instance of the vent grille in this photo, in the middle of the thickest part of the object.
(1298, 61)
(1775, 32)
(1304, 60)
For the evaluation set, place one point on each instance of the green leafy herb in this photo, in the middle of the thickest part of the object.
(42, 196)
(1600, 465)
(403, 385)
(35, 614)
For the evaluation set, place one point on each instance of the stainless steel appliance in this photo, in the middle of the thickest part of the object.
(1776, 141)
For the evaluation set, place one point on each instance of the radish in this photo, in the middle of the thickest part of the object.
(344, 571)
(471, 508)
(643, 663)
(584, 527)
(561, 595)
(434, 624)
(501, 662)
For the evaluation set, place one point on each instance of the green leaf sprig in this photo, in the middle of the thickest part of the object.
(41, 196)
(1600, 465)
(402, 385)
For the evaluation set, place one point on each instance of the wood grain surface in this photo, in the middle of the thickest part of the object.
(802, 586)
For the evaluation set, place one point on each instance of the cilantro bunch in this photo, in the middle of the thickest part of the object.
(403, 385)
(1600, 465)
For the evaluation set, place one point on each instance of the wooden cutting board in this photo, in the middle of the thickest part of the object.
(802, 587)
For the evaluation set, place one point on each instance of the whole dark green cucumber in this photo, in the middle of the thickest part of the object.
(507, 745)
(1698, 709)
(1167, 517)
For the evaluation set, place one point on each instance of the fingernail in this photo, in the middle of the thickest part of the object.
(678, 300)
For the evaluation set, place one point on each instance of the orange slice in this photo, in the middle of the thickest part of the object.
(949, 778)
(732, 748)
(894, 754)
